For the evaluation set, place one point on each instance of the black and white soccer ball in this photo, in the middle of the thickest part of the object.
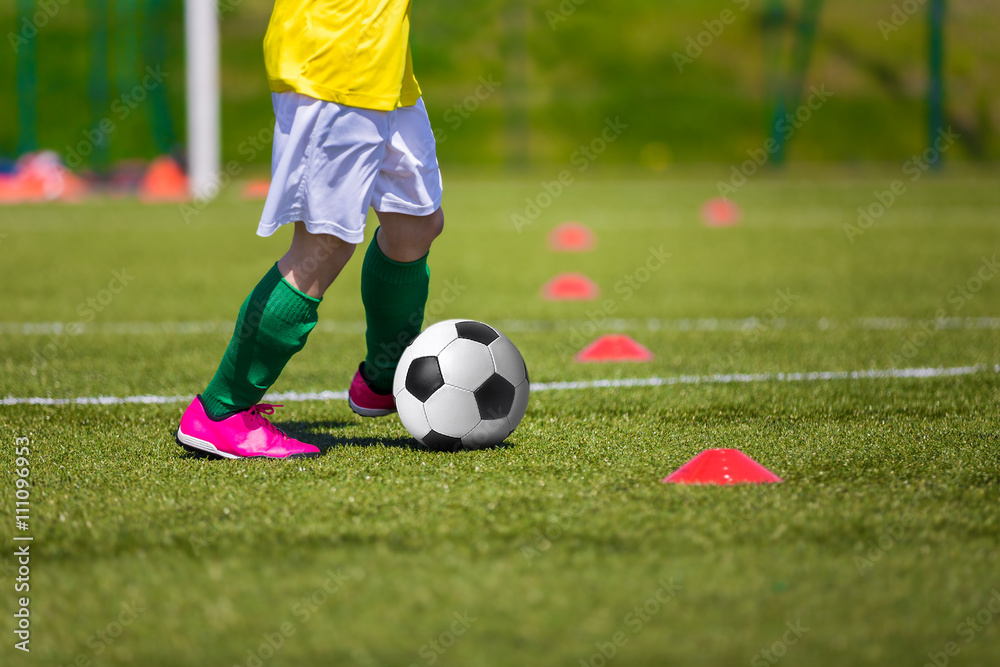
(461, 384)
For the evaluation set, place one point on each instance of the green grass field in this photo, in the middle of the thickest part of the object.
(878, 546)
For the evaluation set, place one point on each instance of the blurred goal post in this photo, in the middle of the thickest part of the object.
(201, 46)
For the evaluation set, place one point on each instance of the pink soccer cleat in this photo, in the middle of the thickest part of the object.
(244, 434)
(365, 401)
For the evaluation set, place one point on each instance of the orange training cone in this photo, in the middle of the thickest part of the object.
(572, 237)
(164, 181)
(256, 189)
(614, 347)
(570, 287)
(722, 466)
(720, 212)
(41, 177)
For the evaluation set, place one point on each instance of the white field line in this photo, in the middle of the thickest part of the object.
(732, 378)
(518, 326)
(745, 378)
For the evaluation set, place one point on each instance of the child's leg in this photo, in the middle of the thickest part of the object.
(394, 280)
(314, 261)
(275, 321)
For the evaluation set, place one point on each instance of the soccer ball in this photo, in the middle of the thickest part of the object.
(461, 384)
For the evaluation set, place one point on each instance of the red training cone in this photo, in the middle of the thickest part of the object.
(572, 237)
(721, 466)
(614, 347)
(570, 287)
(720, 212)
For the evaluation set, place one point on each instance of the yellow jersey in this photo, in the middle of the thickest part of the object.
(352, 52)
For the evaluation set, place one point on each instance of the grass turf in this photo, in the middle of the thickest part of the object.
(878, 546)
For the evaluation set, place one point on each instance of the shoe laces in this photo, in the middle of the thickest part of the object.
(257, 418)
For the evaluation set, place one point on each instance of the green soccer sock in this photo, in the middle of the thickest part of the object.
(273, 324)
(394, 295)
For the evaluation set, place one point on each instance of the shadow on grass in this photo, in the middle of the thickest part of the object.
(318, 433)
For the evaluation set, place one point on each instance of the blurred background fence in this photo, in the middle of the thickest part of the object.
(526, 82)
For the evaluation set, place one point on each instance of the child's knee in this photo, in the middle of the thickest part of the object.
(435, 223)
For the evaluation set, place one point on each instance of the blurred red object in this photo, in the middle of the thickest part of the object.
(614, 347)
(720, 212)
(41, 177)
(570, 287)
(572, 237)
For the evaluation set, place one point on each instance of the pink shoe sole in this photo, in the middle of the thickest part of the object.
(199, 446)
(369, 412)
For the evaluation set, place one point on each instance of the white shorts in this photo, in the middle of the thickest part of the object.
(331, 162)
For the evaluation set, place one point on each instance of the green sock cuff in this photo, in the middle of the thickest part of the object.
(269, 281)
(290, 304)
(388, 270)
